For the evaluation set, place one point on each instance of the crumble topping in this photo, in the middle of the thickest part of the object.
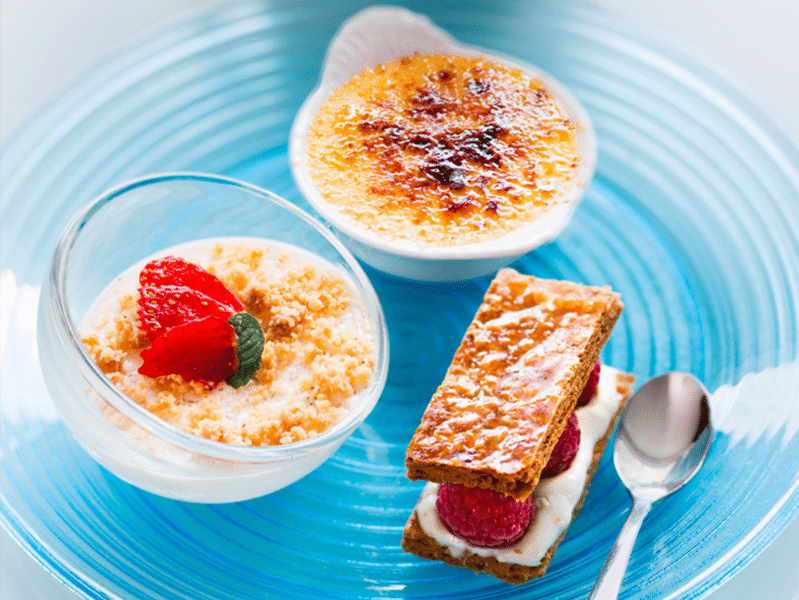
(318, 354)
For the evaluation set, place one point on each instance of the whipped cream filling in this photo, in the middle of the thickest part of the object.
(555, 497)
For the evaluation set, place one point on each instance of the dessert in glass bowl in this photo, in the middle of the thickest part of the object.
(206, 340)
(238, 340)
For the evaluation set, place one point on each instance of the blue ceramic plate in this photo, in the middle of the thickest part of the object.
(693, 216)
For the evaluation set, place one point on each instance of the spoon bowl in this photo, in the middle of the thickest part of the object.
(663, 439)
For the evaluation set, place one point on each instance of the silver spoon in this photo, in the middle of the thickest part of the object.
(663, 439)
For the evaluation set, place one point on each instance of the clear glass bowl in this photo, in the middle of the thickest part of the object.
(385, 33)
(124, 226)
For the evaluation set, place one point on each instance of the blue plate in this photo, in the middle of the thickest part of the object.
(693, 216)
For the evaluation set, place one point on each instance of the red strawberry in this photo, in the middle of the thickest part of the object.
(201, 350)
(196, 326)
(174, 291)
(565, 450)
(483, 517)
(590, 387)
(176, 271)
(166, 306)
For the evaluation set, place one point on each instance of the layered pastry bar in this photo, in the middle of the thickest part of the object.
(505, 412)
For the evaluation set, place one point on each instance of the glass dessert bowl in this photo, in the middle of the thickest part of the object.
(123, 229)
(434, 160)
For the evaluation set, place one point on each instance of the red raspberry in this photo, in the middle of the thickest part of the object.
(483, 517)
(590, 387)
(565, 450)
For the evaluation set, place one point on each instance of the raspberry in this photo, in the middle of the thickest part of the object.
(483, 517)
(565, 450)
(590, 387)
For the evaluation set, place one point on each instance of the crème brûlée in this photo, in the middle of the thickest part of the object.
(442, 150)
(318, 352)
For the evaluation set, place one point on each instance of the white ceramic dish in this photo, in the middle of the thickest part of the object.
(382, 34)
(119, 229)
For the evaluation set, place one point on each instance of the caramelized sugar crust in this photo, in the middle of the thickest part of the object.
(513, 382)
(442, 150)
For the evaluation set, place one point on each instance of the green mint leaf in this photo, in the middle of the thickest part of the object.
(249, 347)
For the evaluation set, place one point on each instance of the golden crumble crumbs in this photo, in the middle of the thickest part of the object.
(318, 353)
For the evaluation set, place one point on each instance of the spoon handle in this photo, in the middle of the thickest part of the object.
(610, 577)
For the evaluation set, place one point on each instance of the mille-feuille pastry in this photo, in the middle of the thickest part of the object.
(510, 440)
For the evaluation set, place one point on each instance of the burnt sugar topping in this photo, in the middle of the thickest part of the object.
(512, 383)
(442, 150)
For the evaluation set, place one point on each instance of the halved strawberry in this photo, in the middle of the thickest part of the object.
(197, 327)
(165, 306)
(174, 291)
(171, 270)
(201, 350)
